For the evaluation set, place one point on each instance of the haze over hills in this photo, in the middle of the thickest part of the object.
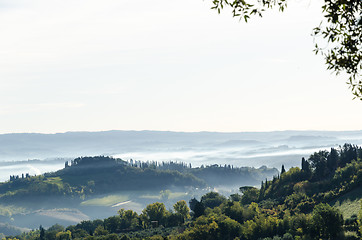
(220, 151)
(238, 148)
(94, 187)
(289, 203)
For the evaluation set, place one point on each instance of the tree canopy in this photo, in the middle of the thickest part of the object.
(292, 206)
(341, 28)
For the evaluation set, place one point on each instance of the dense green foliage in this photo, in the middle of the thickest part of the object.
(323, 177)
(292, 206)
(87, 176)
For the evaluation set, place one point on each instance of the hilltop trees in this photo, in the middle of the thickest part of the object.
(348, 153)
(289, 207)
(87, 176)
(318, 162)
(332, 159)
(283, 170)
(324, 163)
(42, 233)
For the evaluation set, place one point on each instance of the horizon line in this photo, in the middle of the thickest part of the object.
(175, 131)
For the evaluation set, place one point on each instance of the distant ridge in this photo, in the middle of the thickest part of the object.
(23, 146)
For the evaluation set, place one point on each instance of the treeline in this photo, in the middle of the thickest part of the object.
(86, 176)
(214, 217)
(324, 176)
(126, 225)
(291, 206)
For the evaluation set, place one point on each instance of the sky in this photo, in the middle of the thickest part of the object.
(87, 65)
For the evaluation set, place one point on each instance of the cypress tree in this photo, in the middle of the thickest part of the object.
(283, 170)
(42, 233)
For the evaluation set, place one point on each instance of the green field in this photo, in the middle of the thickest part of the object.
(113, 199)
(162, 195)
(54, 180)
(177, 195)
(350, 203)
(107, 200)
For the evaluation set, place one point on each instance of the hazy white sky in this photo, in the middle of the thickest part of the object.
(89, 65)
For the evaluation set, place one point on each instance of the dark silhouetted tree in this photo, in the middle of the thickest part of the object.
(283, 170)
(42, 233)
(318, 162)
(348, 153)
(197, 207)
(332, 160)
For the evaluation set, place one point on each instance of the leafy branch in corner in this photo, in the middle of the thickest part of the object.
(341, 31)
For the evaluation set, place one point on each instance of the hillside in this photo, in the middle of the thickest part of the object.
(96, 186)
(292, 205)
(86, 176)
(180, 146)
(350, 203)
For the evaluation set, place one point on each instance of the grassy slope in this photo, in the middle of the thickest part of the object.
(124, 196)
(350, 203)
(106, 200)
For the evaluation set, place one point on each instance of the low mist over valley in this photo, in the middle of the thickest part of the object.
(170, 120)
(38, 153)
(53, 178)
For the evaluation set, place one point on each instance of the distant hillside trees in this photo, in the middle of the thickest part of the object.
(291, 206)
(323, 177)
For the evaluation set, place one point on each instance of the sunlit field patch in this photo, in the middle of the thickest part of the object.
(107, 200)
